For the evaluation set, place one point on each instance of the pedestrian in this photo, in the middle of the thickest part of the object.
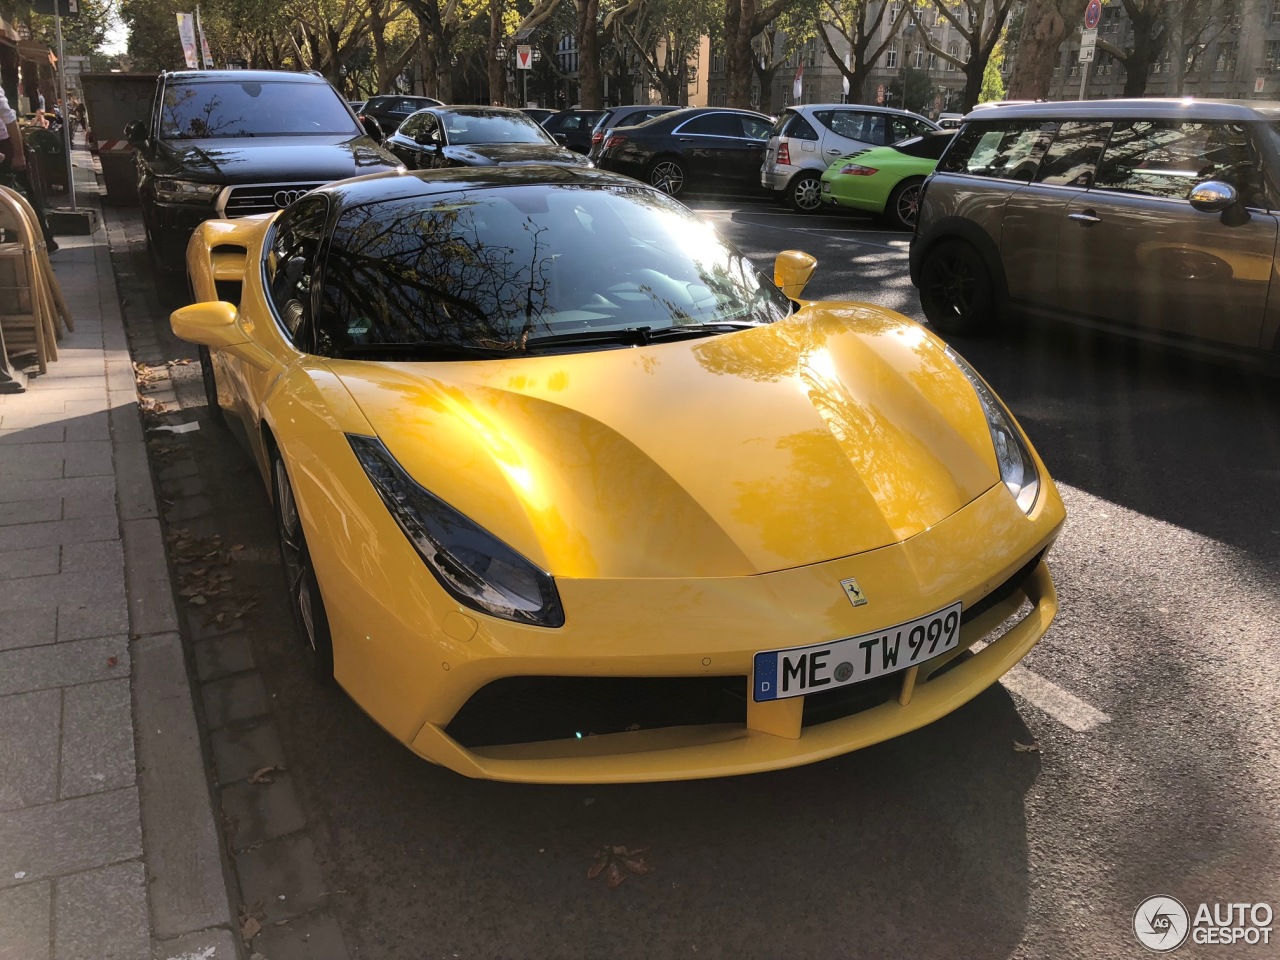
(39, 100)
(13, 166)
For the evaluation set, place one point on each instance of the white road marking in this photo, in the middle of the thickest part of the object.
(1066, 708)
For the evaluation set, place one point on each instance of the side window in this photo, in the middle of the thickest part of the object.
(714, 124)
(430, 127)
(799, 128)
(900, 128)
(1006, 151)
(1165, 158)
(292, 259)
(410, 127)
(1073, 155)
(864, 127)
(755, 129)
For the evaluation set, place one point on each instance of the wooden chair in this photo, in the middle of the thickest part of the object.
(32, 308)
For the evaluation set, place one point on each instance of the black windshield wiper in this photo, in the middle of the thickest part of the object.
(681, 330)
(422, 350)
(627, 336)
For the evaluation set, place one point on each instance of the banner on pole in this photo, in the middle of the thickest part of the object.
(797, 85)
(187, 34)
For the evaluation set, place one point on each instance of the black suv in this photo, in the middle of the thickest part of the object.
(230, 143)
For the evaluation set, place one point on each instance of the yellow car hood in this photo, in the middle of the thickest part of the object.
(836, 431)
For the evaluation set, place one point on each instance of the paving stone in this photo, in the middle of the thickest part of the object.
(98, 553)
(30, 511)
(51, 532)
(235, 698)
(69, 835)
(36, 461)
(26, 922)
(100, 503)
(240, 750)
(150, 587)
(49, 433)
(102, 915)
(92, 426)
(135, 493)
(220, 657)
(281, 868)
(188, 508)
(315, 936)
(62, 664)
(97, 738)
(29, 728)
(89, 459)
(186, 467)
(205, 945)
(77, 621)
(257, 812)
(31, 562)
(67, 487)
(91, 586)
(27, 627)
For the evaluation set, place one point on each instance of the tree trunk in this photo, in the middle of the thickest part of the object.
(442, 43)
(738, 55)
(1045, 25)
(590, 88)
(972, 83)
(429, 72)
(495, 52)
(378, 27)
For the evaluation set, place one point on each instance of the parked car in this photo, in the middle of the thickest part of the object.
(886, 180)
(539, 114)
(476, 137)
(391, 110)
(807, 138)
(573, 128)
(699, 148)
(950, 121)
(231, 143)
(627, 116)
(1152, 217)
(458, 385)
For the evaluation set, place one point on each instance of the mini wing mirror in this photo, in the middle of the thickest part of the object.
(1213, 196)
(217, 326)
(135, 131)
(792, 270)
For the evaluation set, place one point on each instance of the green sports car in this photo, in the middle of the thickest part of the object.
(886, 180)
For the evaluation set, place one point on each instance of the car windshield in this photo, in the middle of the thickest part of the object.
(198, 111)
(497, 269)
(493, 128)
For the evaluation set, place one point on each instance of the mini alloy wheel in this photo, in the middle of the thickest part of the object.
(309, 618)
(667, 176)
(956, 290)
(805, 193)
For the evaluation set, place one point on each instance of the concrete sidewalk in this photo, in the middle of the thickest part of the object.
(108, 844)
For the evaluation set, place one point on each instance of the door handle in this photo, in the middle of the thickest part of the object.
(833, 151)
(1087, 216)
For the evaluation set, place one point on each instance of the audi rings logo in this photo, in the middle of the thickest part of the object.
(282, 198)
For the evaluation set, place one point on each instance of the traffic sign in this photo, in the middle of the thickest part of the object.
(1088, 41)
(524, 57)
(1092, 14)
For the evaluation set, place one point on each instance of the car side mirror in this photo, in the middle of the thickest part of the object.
(424, 139)
(1213, 196)
(562, 138)
(216, 325)
(135, 131)
(791, 272)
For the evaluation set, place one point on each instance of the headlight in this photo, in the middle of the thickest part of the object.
(186, 191)
(1017, 468)
(473, 566)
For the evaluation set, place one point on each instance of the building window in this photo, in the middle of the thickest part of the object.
(1275, 11)
(811, 53)
(891, 56)
(933, 61)
(918, 58)
(895, 10)
(1226, 62)
(1273, 56)
(953, 50)
(1102, 65)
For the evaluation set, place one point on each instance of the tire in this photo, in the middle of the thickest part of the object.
(956, 290)
(668, 175)
(903, 205)
(309, 618)
(804, 193)
(210, 386)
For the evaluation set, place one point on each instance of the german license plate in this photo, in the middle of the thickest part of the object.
(780, 674)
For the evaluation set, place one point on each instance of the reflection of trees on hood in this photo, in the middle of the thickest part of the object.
(431, 275)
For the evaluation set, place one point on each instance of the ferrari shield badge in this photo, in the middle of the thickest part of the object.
(853, 592)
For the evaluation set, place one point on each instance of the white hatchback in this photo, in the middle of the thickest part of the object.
(809, 137)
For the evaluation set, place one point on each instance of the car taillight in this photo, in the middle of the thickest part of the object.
(615, 141)
(596, 137)
(857, 170)
(784, 154)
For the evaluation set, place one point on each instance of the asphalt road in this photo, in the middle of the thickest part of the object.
(1152, 702)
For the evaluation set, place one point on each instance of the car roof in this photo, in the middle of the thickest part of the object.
(1187, 108)
(246, 76)
(862, 107)
(478, 110)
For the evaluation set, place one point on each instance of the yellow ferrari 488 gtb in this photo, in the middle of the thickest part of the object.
(567, 491)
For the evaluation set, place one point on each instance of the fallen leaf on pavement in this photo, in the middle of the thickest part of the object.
(1026, 747)
(112, 661)
(250, 929)
(263, 775)
(616, 863)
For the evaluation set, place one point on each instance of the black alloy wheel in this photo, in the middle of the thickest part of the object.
(210, 385)
(804, 194)
(309, 618)
(667, 174)
(956, 291)
(904, 203)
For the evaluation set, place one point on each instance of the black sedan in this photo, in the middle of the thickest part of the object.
(476, 137)
(391, 110)
(573, 127)
(703, 148)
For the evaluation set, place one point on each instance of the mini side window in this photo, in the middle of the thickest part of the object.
(1005, 151)
(1073, 156)
(1165, 158)
(292, 260)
